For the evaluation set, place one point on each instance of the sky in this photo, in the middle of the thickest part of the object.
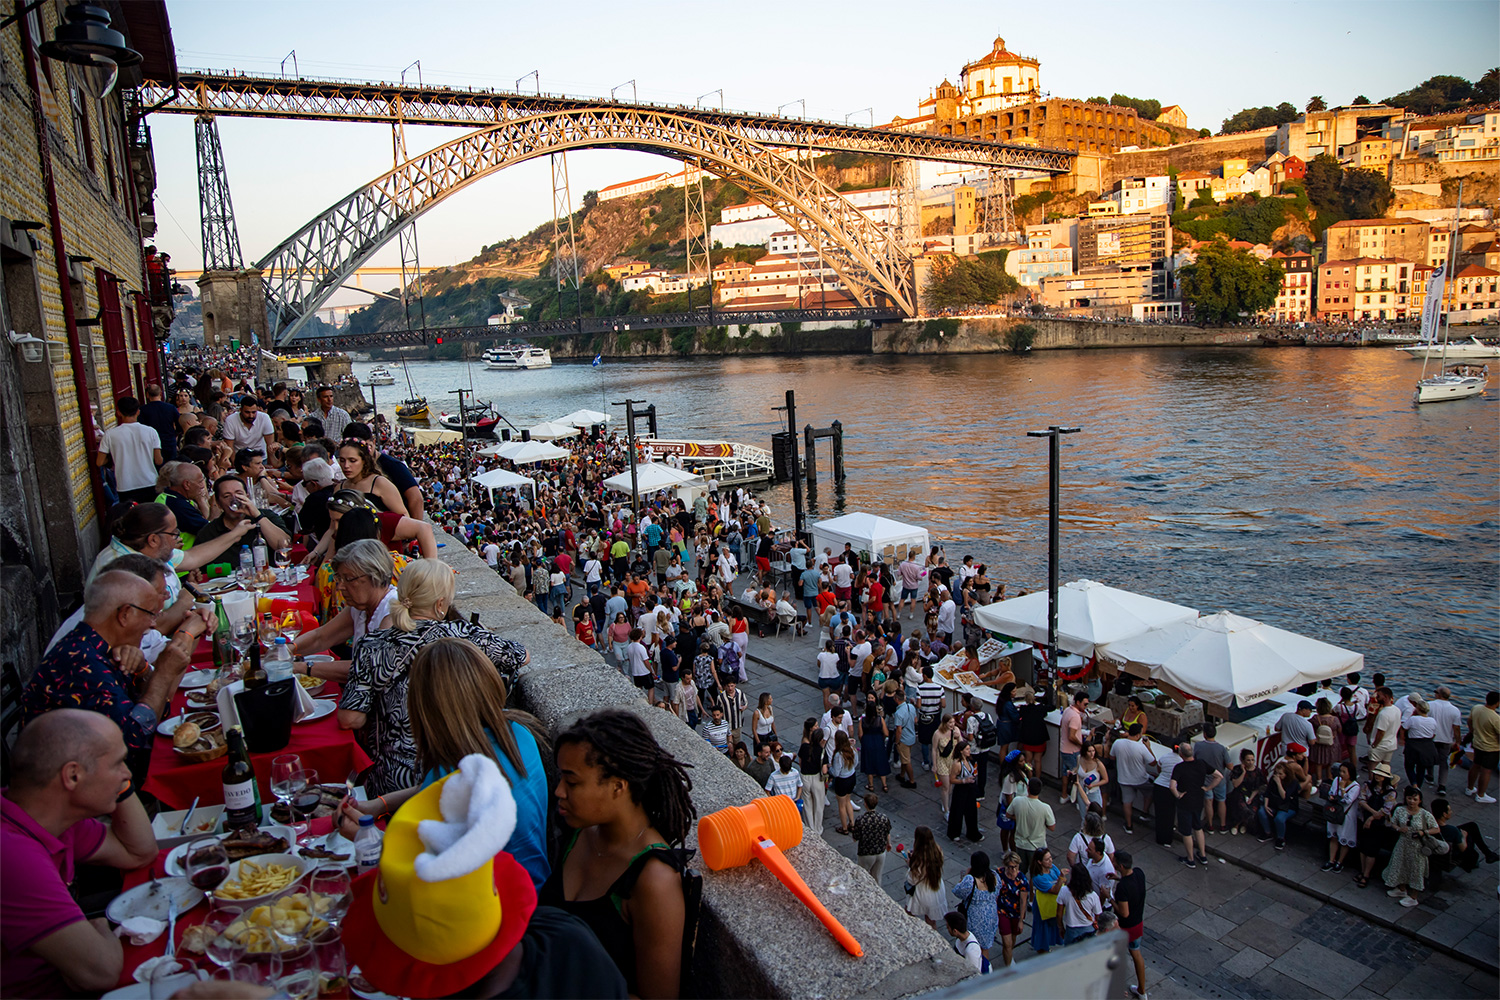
(869, 61)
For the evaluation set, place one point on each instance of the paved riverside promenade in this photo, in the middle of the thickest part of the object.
(1253, 923)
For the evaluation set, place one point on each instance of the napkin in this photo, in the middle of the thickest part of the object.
(229, 713)
(140, 930)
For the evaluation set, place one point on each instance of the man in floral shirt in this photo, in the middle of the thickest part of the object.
(872, 834)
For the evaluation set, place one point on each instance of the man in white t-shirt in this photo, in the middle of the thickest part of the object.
(1387, 724)
(249, 428)
(492, 554)
(833, 720)
(843, 579)
(1449, 731)
(135, 450)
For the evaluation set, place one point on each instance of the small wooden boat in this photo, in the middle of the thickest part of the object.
(477, 420)
(413, 409)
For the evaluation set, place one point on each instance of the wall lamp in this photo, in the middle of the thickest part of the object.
(86, 39)
(32, 348)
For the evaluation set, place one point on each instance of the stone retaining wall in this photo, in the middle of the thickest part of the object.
(982, 335)
(755, 939)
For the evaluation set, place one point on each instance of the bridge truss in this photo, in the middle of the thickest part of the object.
(306, 268)
(238, 95)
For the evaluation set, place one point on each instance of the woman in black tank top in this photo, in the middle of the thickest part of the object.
(627, 801)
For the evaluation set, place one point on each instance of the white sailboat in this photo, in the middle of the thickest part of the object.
(380, 375)
(1471, 348)
(1457, 381)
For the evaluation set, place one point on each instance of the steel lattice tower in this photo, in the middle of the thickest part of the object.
(564, 243)
(221, 239)
(406, 240)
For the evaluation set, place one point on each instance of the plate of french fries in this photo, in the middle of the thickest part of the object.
(260, 879)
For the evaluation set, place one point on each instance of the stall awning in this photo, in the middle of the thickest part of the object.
(1088, 614)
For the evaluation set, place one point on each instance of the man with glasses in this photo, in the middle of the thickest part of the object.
(92, 666)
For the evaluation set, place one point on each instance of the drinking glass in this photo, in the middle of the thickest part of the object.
(291, 626)
(299, 970)
(257, 957)
(242, 633)
(331, 890)
(206, 864)
(223, 949)
(282, 556)
(333, 966)
(305, 798)
(282, 770)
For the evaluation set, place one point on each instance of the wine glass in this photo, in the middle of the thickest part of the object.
(333, 966)
(305, 798)
(299, 970)
(291, 626)
(206, 864)
(222, 948)
(282, 770)
(332, 892)
(241, 634)
(257, 957)
(282, 556)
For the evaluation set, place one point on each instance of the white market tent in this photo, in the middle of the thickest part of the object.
(527, 452)
(549, 430)
(1225, 659)
(653, 476)
(1089, 614)
(879, 536)
(584, 418)
(497, 479)
(434, 435)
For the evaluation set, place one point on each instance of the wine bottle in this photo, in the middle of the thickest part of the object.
(254, 676)
(223, 646)
(241, 793)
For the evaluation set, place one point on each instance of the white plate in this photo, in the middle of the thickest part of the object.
(222, 585)
(262, 859)
(196, 679)
(153, 900)
(321, 707)
(333, 842)
(174, 865)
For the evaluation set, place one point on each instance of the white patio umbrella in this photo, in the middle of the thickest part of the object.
(1089, 614)
(496, 479)
(584, 418)
(526, 452)
(1225, 659)
(652, 476)
(549, 430)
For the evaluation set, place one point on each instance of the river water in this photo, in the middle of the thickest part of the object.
(1298, 486)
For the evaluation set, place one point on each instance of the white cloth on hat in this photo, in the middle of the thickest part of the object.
(479, 815)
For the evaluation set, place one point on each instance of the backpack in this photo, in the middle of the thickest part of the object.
(1325, 736)
(1350, 725)
(984, 739)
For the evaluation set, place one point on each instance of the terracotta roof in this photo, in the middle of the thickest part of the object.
(1471, 228)
(1475, 271)
(999, 55)
(1361, 223)
(1193, 175)
(1360, 261)
(638, 180)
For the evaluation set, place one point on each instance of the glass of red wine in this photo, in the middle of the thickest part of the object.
(305, 798)
(207, 864)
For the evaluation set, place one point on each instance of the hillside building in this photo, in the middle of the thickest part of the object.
(1130, 244)
(1173, 115)
(1402, 238)
(1295, 302)
(1473, 296)
(1371, 288)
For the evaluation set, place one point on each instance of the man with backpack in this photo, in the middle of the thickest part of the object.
(979, 729)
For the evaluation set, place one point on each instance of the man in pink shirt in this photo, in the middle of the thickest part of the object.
(1070, 740)
(68, 768)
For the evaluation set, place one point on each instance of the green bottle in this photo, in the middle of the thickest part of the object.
(223, 646)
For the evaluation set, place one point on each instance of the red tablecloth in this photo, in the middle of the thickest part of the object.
(322, 745)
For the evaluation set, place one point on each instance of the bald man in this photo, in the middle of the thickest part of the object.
(68, 768)
(81, 671)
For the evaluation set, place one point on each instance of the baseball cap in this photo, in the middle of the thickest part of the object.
(1296, 748)
(447, 903)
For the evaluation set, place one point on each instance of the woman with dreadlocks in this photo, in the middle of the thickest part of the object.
(628, 804)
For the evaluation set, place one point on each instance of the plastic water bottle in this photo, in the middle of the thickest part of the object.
(368, 843)
(247, 564)
(278, 661)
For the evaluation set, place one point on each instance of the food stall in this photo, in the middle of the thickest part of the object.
(880, 537)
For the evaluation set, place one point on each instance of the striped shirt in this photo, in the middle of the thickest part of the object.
(929, 699)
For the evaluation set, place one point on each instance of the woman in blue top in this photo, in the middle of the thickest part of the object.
(979, 889)
(456, 700)
(1045, 881)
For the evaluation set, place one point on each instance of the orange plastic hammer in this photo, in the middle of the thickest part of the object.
(730, 837)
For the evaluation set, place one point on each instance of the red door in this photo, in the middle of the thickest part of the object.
(116, 345)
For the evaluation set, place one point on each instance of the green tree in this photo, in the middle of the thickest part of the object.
(1487, 90)
(1317, 103)
(1264, 117)
(969, 281)
(1322, 183)
(1019, 338)
(1361, 99)
(1366, 194)
(1224, 283)
(1433, 95)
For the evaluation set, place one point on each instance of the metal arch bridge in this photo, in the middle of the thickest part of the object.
(586, 325)
(306, 268)
(231, 94)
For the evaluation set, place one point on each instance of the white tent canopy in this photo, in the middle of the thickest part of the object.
(1089, 614)
(549, 430)
(1225, 659)
(879, 536)
(584, 418)
(653, 476)
(496, 479)
(526, 452)
(435, 435)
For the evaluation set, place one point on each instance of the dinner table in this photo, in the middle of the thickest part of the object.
(322, 745)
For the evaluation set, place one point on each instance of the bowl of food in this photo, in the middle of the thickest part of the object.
(260, 879)
(194, 744)
(206, 821)
(312, 685)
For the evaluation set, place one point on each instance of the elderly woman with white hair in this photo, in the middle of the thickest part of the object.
(363, 572)
(374, 699)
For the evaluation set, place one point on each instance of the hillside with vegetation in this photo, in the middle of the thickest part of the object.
(649, 227)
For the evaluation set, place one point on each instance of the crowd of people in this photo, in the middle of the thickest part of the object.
(667, 591)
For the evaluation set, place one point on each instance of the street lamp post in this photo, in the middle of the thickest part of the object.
(1054, 460)
(635, 492)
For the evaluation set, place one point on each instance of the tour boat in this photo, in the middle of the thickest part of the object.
(1456, 382)
(517, 357)
(1471, 348)
(380, 375)
(477, 420)
(413, 409)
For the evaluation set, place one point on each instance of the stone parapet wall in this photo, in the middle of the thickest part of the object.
(754, 939)
(983, 335)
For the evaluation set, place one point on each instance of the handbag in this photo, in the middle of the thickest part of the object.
(1433, 845)
(1046, 905)
(1335, 811)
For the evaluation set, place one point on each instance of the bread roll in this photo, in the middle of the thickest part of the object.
(187, 734)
